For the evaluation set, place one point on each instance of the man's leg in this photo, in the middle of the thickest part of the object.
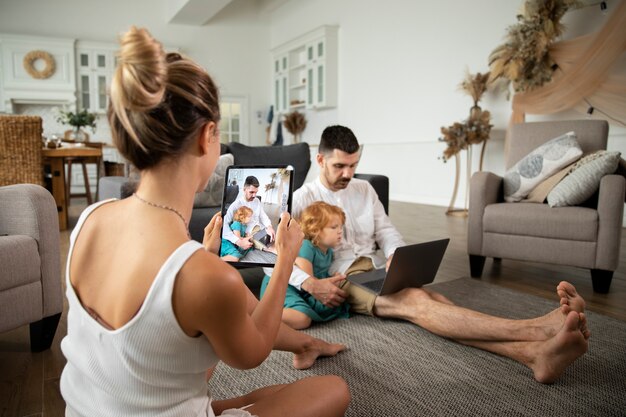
(547, 359)
(546, 344)
(438, 315)
(306, 349)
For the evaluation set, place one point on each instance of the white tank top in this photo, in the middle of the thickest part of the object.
(148, 367)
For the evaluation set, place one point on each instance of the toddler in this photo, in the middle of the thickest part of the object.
(229, 251)
(322, 225)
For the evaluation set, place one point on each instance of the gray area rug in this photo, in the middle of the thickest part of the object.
(394, 368)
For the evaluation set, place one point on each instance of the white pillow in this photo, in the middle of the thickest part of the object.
(540, 164)
(212, 194)
(584, 180)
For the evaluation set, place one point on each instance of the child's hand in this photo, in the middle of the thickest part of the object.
(288, 238)
(211, 239)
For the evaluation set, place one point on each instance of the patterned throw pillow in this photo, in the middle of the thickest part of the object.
(540, 164)
(584, 180)
(212, 194)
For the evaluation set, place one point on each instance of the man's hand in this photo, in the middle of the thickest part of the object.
(270, 231)
(244, 242)
(327, 290)
(211, 239)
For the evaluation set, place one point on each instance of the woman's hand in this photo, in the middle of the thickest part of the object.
(211, 240)
(288, 238)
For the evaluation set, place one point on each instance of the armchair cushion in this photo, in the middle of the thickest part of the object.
(539, 220)
(212, 194)
(584, 180)
(19, 257)
(540, 164)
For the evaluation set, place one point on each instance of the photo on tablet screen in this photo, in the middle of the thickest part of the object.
(254, 198)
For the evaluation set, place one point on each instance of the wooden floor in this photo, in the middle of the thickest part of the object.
(29, 382)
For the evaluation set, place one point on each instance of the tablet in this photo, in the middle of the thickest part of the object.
(254, 198)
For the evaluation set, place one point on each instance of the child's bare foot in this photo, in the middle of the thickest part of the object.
(314, 350)
(554, 355)
(570, 299)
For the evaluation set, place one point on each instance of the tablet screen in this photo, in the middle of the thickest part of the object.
(253, 200)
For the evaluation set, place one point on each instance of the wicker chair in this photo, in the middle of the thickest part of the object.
(20, 150)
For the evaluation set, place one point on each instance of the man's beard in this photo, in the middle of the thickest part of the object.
(342, 183)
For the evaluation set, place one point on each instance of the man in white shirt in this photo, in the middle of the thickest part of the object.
(546, 344)
(259, 221)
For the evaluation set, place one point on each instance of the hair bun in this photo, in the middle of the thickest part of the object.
(141, 72)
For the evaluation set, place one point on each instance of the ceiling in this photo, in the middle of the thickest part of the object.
(200, 12)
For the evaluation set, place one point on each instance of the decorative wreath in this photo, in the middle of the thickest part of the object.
(47, 71)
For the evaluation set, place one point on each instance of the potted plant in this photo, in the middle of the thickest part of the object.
(78, 121)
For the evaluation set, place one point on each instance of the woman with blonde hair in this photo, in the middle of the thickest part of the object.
(150, 311)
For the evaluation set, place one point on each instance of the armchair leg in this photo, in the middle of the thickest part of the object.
(477, 263)
(601, 280)
(42, 332)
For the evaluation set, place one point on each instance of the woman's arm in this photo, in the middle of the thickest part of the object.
(211, 298)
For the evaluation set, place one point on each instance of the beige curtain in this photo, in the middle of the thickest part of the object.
(592, 73)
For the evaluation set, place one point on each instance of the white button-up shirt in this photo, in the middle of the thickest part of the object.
(366, 224)
(258, 217)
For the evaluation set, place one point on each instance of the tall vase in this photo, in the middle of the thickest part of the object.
(461, 212)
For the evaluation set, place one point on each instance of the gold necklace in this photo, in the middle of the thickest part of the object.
(172, 209)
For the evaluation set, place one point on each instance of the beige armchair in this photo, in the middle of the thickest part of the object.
(586, 236)
(30, 272)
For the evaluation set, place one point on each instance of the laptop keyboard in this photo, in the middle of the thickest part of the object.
(375, 286)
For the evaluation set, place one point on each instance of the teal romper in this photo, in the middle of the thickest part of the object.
(229, 248)
(304, 302)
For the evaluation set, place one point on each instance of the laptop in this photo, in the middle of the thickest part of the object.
(411, 266)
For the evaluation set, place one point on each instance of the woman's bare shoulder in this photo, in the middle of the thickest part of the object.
(206, 285)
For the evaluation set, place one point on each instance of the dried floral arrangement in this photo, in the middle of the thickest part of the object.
(476, 128)
(461, 135)
(524, 59)
(295, 123)
(474, 85)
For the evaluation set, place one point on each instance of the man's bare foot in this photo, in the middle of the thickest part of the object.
(570, 299)
(556, 354)
(583, 326)
(313, 350)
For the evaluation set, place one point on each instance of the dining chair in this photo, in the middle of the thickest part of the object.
(83, 161)
(20, 150)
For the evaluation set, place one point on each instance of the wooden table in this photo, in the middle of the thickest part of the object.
(56, 159)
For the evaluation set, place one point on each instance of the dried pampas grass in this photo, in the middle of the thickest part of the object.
(474, 85)
(524, 59)
(295, 123)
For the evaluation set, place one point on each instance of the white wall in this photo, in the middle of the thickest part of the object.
(234, 48)
(400, 64)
